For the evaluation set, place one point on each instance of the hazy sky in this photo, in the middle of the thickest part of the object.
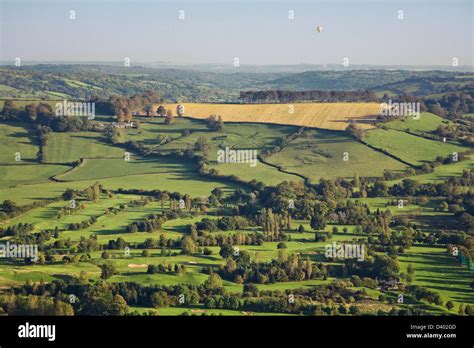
(257, 32)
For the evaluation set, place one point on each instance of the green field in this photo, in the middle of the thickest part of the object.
(107, 168)
(69, 147)
(320, 154)
(439, 271)
(28, 174)
(237, 136)
(427, 122)
(409, 148)
(17, 138)
(315, 154)
(442, 172)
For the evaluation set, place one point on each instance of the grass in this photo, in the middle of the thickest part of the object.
(17, 138)
(196, 310)
(150, 128)
(440, 272)
(319, 154)
(107, 168)
(441, 173)
(69, 147)
(28, 174)
(239, 136)
(409, 148)
(427, 122)
(261, 172)
(183, 181)
(334, 116)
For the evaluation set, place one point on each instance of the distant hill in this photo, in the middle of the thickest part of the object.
(84, 81)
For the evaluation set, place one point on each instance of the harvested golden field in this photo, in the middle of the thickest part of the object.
(335, 116)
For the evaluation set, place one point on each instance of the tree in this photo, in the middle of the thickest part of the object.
(355, 131)
(118, 306)
(318, 222)
(226, 251)
(149, 110)
(469, 310)
(309, 268)
(215, 123)
(96, 192)
(107, 270)
(449, 305)
(169, 118)
(202, 145)
(282, 255)
(180, 110)
(188, 246)
(160, 299)
(214, 281)
(161, 111)
(162, 138)
(97, 300)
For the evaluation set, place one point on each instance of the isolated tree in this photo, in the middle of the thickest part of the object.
(469, 310)
(449, 305)
(355, 131)
(169, 118)
(161, 111)
(149, 110)
(107, 270)
(180, 110)
(215, 123)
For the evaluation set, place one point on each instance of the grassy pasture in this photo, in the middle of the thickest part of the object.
(409, 148)
(427, 122)
(239, 136)
(334, 116)
(108, 168)
(28, 174)
(440, 272)
(69, 147)
(442, 172)
(183, 181)
(319, 154)
(17, 138)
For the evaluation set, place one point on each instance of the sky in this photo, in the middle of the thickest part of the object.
(257, 32)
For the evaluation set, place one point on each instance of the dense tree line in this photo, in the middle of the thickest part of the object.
(281, 96)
